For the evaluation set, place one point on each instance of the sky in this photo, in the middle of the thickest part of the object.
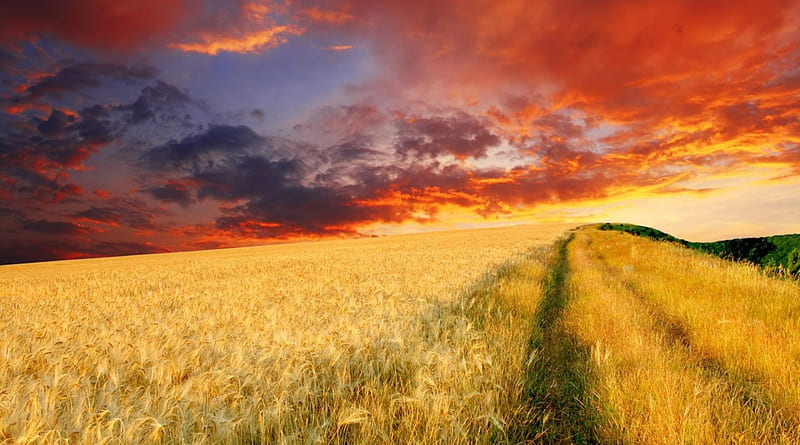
(172, 125)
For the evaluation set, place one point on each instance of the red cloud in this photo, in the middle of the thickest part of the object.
(315, 14)
(104, 24)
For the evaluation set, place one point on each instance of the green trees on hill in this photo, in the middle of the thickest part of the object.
(647, 232)
(753, 250)
(793, 266)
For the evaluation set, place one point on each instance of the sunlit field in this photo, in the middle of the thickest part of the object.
(528, 334)
(404, 339)
(681, 347)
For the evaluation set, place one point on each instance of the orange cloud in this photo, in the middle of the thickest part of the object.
(339, 47)
(253, 42)
(102, 194)
(317, 15)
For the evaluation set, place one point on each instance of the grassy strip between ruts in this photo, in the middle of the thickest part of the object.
(554, 406)
(557, 375)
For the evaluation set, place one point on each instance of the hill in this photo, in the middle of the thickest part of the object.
(778, 253)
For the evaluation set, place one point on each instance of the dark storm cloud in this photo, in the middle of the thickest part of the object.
(38, 186)
(40, 151)
(460, 135)
(158, 100)
(95, 129)
(80, 76)
(129, 212)
(172, 191)
(247, 177)
(352, 151)
(55, 124)
(116, 248)
(7, 60)
(298, 209)
(55, 228)
(379, 193)
(193, 151)
(274, 192)
(265, 183)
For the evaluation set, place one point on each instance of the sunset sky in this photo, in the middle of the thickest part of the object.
(165, 125)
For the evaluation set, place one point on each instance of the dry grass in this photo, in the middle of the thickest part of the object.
(685, 348)
(401, 339)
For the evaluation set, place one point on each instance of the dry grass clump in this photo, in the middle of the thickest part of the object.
(363, 341)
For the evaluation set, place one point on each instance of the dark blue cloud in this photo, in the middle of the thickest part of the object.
(460, 135)
(193, 151)
(130, 212)
(80, 76)
(158, 101)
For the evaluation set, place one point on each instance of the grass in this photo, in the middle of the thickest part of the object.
(515, 335)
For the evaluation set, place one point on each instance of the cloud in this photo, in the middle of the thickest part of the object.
(346, 122)
(317, 15)
(80, 76)
(173, 190)
(263, 193)
(8, 60)
(117, 212)
(246, 27)
(96, 23)
(55, 125)
(159, 100)
(245, 43)
(460, 135)
(39, 154)
(351, 151)
(496, 109)
(194, 151)
(339, 48)
(56, 228)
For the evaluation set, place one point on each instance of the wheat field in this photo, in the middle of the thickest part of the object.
(528, 334)
(699, 349)
(381, 340)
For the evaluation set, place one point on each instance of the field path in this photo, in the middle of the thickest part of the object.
(555, 378)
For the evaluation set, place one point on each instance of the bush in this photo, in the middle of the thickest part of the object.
(793, 266)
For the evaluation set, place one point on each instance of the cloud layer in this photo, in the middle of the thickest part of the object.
(475, 110)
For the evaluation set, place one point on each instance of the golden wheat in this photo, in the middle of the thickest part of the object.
(684, 347)
(358, 341)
